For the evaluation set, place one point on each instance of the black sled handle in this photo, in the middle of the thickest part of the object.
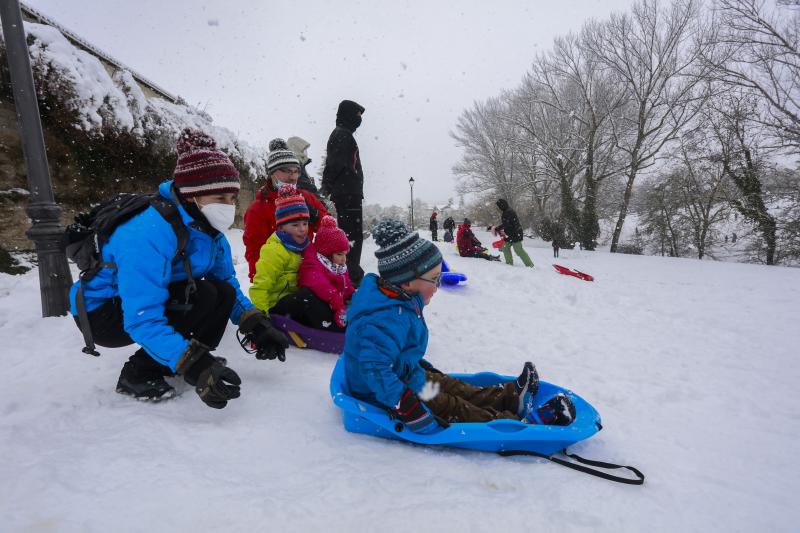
(585, 469)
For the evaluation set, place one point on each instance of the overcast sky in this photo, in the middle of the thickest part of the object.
(268, 69)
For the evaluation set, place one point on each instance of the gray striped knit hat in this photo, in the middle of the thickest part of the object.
(280, 156)
(402, 254)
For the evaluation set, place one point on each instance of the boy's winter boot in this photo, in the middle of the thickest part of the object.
(526, 387)
(557, 411)
(144, 383)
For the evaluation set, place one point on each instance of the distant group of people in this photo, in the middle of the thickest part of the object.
(509, 230)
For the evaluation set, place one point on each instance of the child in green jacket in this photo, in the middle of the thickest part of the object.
(279, 260)
(275, 288)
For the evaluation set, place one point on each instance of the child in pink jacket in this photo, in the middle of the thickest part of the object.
(323, 271)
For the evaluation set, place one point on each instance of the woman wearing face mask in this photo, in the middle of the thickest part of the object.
(177, 309)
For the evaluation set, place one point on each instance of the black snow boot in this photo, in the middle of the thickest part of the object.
(526, 387)
(528, 380)
(144, 382)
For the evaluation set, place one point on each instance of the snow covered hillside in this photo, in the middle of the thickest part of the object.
(692, 365)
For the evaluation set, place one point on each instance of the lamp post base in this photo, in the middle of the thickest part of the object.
(55, 279)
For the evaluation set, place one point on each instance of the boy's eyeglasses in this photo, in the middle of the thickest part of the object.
(290, 170)
(436, 281)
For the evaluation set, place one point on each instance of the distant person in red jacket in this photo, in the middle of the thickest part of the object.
(323, 274)
(469, 245)
(259, 220)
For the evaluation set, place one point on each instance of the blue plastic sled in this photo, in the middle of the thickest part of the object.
(451, 278)
(494, 436)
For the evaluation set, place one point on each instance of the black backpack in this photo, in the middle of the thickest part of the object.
(84, 240)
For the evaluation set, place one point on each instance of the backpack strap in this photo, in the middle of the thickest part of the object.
(171, 214)
(83, 322)
(585, 469)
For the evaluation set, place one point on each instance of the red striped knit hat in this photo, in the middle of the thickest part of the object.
(290, 205)
(202, 168)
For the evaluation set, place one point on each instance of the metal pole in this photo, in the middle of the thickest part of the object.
(46, 231)
(411, 182)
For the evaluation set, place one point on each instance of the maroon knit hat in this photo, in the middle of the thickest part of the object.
(330, 239)
(202, 168)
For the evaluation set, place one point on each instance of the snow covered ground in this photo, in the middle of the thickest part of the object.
(692, 364)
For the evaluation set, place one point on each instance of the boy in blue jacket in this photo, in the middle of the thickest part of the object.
(176, 310)
(386, 340)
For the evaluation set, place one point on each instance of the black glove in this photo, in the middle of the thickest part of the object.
(257, 330)
(213, 381)
(217, 384)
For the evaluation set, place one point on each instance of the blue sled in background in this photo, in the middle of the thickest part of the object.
(495, 436)
(451, 278)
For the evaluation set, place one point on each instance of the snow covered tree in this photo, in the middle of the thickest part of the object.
(756, 47)
(653, 51)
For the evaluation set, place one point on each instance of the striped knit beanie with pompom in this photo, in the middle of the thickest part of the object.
(280, 156)
(202, 168)
(290, 205)
(402, 254)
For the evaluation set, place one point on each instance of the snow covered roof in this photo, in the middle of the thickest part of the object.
(37, 16)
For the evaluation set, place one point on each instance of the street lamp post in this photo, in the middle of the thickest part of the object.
(46, 231)
(411, 184)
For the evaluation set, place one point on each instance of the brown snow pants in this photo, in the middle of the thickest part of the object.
(458, 401)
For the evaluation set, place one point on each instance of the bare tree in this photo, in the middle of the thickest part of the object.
(652, 51)
(733, 119)
(573, 83)
(660, 209)
(701, 183)
(756, 47)
(540, 110)
(486, 164)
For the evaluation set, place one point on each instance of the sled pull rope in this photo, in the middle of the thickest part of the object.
(585, 469)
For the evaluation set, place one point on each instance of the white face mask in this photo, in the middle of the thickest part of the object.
(220, 216)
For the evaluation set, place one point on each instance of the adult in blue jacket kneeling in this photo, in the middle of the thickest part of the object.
(176, 308)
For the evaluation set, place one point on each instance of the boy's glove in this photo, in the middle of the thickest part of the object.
(214, 382)
(414, 414)
(341, 318)
(258, 331)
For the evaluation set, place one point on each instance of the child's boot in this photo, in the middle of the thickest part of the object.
(526, 387)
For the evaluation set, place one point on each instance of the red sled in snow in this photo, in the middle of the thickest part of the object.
(570, 272)
(499, 244)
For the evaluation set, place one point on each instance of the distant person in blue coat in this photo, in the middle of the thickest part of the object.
(387, 338)
(177, 315)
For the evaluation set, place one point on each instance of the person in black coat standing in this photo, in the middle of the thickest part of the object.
(449, 227)
(343, 181)
(434, 227)
(511, 229)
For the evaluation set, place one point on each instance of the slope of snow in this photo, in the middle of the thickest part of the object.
(692, 365)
